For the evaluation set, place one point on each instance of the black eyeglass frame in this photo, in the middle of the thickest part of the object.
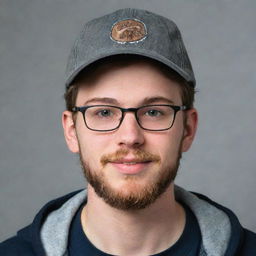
(124, 110)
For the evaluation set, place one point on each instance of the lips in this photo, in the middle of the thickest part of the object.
(130, 161)
(130, 166)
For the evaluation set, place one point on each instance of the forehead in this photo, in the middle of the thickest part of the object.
(128, 82)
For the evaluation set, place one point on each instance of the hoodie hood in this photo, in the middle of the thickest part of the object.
(220, 229)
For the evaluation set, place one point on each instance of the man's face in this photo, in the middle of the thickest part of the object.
(129, 167)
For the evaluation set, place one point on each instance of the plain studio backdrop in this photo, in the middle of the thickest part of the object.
(35, 40)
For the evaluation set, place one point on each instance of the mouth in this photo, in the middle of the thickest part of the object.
(131, 166)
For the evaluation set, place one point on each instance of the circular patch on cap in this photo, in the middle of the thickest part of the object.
(128, 31)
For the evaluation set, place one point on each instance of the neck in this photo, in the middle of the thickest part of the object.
(139, 232)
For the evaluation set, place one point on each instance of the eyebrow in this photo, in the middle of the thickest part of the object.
(101, 100)
(145, 101)
(157, 99)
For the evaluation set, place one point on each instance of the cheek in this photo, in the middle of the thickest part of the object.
(168, 145)
(92, 147)
(169, 148)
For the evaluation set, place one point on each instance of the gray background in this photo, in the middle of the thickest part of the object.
(35, 39)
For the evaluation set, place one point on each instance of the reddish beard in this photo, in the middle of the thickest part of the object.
(135, 200)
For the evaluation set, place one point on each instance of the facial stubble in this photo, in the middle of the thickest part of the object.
(138, 198)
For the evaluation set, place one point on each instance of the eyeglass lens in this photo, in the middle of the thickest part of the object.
(149, 117)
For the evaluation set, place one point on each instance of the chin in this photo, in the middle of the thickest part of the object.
(130, 187)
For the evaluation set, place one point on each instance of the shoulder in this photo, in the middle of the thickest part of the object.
(242, 241)
(248, 246)
(28, 240)
(16, 246)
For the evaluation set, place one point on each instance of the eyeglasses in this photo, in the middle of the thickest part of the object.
(104, 118)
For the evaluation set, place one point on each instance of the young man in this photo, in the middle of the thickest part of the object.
(130, 116)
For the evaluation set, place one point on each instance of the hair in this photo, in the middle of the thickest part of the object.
(187, 90)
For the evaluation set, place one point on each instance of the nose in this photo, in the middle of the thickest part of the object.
(130, 134)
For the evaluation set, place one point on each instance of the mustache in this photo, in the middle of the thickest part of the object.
(138, 154)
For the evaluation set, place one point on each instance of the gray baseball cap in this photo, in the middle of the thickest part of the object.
(130, 31)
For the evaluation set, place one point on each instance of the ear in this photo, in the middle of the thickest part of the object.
(70, 131)
(190, 127)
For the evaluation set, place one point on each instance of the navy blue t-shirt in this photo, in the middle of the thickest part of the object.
(187, 245)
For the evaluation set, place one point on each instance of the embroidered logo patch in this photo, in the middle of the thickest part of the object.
(128, 31)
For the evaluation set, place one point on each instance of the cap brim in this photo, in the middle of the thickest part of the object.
(152, 55)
